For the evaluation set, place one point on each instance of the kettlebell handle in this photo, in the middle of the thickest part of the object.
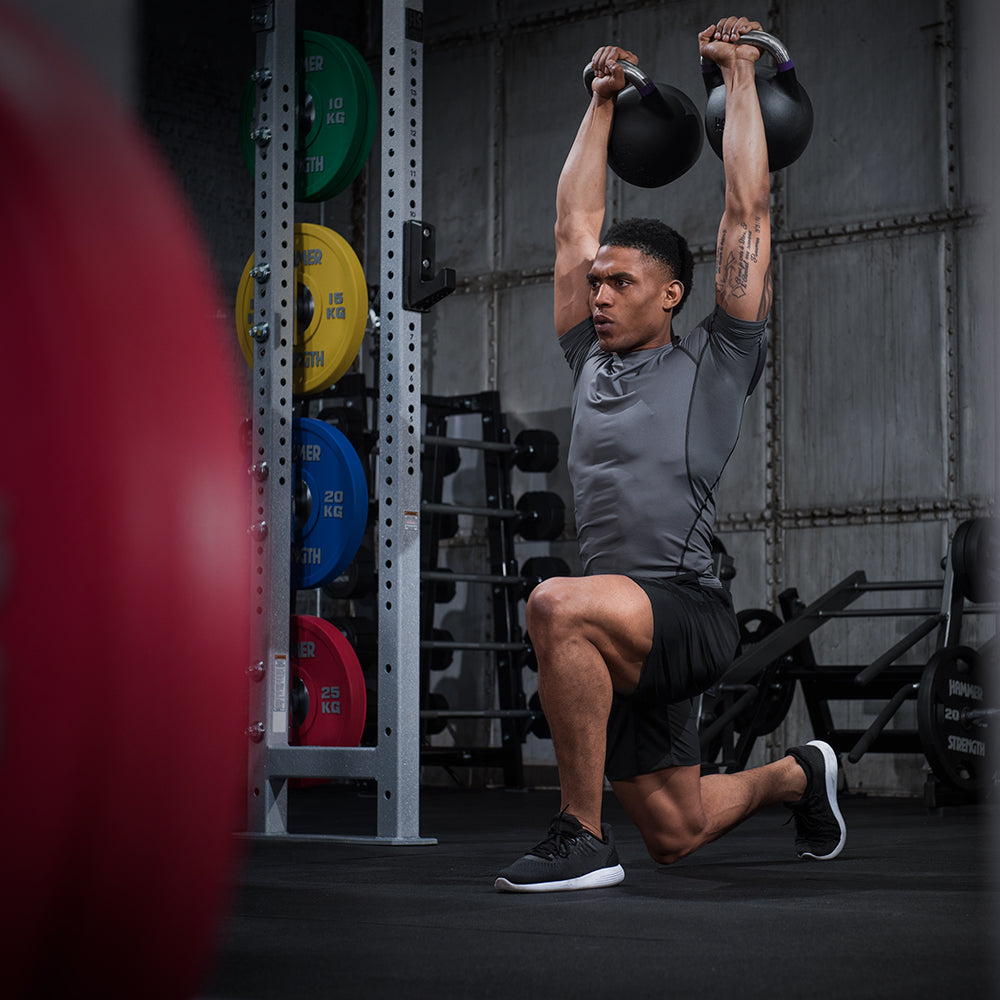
(633, 75)
(782, 58)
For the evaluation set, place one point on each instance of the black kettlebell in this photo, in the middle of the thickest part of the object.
(784, 105)
(656, 133)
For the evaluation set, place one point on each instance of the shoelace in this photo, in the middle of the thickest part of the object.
(557, 842)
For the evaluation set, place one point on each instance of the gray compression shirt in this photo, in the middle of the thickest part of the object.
(652, 432)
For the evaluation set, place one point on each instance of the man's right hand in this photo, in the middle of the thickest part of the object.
(609, 77)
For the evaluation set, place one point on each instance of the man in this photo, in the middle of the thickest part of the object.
(625, 651)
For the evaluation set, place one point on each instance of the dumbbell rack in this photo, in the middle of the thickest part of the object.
(394, 762)
(503, 579)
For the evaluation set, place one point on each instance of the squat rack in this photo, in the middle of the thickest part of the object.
(394, 763)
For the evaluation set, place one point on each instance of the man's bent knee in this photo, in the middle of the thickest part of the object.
(550, 606)
(666, 847)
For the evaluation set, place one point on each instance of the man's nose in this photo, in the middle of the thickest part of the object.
(602, 294)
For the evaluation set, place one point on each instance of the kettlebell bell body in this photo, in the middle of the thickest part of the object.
(656, 134)
(784, 105)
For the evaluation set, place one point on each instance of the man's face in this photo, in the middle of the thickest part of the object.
(632, 298)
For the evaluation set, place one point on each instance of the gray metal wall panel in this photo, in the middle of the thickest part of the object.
(544, 101)
(878, 105)
(532, 370)
(457, 345)
(750, 558)
(743, 489)
(449, 16)
(973, 358)
(537, 385)
(701, 301)
(459, 190)
(864, 344)
(666, 42)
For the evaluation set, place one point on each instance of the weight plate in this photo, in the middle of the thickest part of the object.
(776, 699)
(335, 122)
(974, 559)
(958, 748)
(331, 505)
(331, 310)
(329, 701)
(365, 131)
(334, 103)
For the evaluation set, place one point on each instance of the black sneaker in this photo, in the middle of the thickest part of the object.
(819, 827)
(570, 857)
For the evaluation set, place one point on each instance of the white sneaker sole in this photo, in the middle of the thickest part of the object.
(599, 879)
(830, 772)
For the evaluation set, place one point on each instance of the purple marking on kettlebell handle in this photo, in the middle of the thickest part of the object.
(782, 67)
(646, 89)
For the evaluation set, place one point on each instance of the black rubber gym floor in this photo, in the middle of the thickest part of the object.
(907, 911)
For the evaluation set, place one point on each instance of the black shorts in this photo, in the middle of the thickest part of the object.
(695, 637)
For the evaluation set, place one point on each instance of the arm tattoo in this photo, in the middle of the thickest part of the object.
(732, 277)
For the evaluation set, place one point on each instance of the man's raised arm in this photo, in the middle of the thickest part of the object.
(743, 251)
(581, 191)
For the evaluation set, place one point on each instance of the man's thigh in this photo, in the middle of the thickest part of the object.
(612, 613)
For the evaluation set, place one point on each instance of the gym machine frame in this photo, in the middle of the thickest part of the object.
(394, 763)
(785, 656)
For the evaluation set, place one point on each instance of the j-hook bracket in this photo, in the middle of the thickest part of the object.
(422, 287)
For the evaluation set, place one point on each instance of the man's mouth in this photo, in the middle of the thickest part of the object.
(602, 322)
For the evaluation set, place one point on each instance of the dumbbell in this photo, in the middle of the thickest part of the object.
(358, 580)
(438, 456)
(440, 657)
(539, 515)
(540, 568)
(532, 450)
(362, 634)
(539, 725)
(444, 580)
(435, 703)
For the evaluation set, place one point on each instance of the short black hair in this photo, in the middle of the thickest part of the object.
(657, 240)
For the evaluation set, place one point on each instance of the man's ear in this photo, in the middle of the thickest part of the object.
(673, 292)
